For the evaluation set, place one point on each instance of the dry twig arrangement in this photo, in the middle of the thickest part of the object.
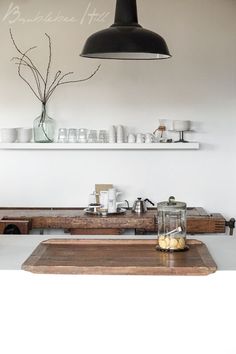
(43, 88)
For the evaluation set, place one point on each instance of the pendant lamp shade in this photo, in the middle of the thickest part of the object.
(126, 39)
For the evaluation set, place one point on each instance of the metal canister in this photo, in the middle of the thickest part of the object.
(171, 218)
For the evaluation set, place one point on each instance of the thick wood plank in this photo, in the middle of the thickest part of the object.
(77, 219)
(214, 223)
(198, 221)
(123, 257)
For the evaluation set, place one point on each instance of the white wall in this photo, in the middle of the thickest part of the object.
(198, 83)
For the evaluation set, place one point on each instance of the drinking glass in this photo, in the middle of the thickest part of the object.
(140, 138)
(102, 137)
(72, 136)
(82, 135)
(92, 136)
(149, 138)
(62, 135)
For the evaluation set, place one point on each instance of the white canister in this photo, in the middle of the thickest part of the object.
(112, 194)
(8, 135)
(120, 134)
(24, 135)
(112, 135)
(103, 198)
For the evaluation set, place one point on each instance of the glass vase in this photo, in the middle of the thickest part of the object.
(44, 128)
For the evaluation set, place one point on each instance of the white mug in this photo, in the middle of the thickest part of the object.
(120, 134)
(24, 135)
(112, 135)
(8, 135)
(131, 138)
(140, 139)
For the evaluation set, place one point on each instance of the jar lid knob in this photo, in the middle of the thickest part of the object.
(171, 201)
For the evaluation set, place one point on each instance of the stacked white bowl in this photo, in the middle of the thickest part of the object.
(11, 135)
(8, 135)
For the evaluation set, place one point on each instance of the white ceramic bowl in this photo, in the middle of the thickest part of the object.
(24, 135)
(181, 125)
(8, 135)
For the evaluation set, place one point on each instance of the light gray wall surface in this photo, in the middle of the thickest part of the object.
(198, 83)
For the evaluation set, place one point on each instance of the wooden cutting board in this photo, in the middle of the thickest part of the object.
(124, 257)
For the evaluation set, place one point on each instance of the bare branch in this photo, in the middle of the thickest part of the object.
(55, 79)
(44, 94)
(81, 80)
(26, 63)
(49, 64)
(33, 69)
(71, 81)
(53, 89)
(26, 81)
(23, 54)
(63, 76)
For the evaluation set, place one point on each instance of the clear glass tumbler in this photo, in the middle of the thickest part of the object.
(62, 135)
(102, 137)
(72, 137)
(82, 135)
(92, 136)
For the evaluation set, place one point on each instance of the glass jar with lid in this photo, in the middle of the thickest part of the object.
(171, 219)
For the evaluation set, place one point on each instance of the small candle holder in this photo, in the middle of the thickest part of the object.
(181, 137)
(181, 126)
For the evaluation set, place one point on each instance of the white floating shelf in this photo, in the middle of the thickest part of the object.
(125, 146)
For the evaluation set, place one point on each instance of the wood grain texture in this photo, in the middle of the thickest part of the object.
(214, 223)
(198, 221)
(95, 231)
(77, 219)
(117, 257)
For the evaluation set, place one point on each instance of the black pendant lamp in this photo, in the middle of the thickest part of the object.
(126, 39)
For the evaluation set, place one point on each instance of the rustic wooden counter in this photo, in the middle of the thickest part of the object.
(77, 222)
(117, 257)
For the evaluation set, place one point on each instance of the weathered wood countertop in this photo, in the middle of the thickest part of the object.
(121, 257)
(77, 218)
(198, 220)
